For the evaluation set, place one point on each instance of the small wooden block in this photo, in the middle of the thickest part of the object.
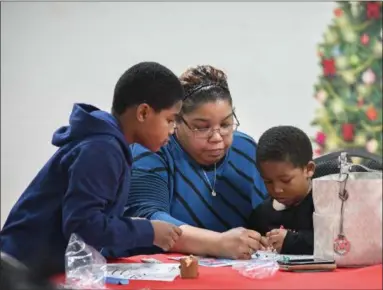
(189, 267)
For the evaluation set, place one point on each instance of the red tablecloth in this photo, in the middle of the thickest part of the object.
(227, 278)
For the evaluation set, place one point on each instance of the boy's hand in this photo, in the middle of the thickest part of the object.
(165, 234)
(276, 238)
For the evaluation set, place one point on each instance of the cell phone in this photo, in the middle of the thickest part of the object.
(305, 265)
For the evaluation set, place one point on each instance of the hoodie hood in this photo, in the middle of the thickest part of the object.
(87, 120)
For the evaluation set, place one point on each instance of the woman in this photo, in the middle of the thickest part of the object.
(204, 179)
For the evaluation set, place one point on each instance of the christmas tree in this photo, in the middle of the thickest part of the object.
(350, 90)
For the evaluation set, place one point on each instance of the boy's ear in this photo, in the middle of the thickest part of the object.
(142, 112)
(310, 169)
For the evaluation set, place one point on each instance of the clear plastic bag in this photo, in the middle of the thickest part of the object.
(85, 267)
(257, 268)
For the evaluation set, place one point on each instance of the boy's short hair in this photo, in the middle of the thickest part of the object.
(284, 143)
(147, 82)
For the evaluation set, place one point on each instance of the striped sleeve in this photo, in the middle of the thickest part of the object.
(149, 194)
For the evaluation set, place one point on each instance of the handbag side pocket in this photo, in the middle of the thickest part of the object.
(324, 228)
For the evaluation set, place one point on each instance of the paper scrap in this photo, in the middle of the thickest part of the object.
(143, 271)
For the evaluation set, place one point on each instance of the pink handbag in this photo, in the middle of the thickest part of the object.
(348, 216)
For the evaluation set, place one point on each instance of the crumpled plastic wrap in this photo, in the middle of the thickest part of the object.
(257, 268)
(85, 267)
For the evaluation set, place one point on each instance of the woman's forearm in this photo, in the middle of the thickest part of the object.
(198, 241)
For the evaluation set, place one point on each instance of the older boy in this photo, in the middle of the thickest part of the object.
(84, 187)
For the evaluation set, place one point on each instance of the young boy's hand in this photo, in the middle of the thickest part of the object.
(165, 234)
(276, 238)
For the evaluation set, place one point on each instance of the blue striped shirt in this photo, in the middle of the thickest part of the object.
(170, 186)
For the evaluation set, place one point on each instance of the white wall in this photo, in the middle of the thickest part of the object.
(55, 54)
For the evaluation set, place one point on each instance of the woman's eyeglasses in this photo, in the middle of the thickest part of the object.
(207, 133)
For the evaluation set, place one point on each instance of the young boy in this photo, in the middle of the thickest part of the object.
(84, 187)
(284, 159)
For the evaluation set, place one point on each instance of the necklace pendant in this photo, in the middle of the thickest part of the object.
(214, 193)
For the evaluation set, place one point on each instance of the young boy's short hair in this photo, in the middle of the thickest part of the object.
(284, 143)
(144, 83)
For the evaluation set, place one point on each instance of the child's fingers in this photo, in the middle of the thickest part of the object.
(264, 241)
(273, 239)
(272, 233)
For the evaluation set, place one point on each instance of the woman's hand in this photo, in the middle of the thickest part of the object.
(239, 243)
(265, 244)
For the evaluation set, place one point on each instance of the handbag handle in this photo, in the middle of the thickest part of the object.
(346, 166)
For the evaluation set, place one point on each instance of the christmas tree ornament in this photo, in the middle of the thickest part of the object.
(337, 106)
(320, 138)
(371, 113)
(321, 96)
(330, 36)
(354, 59)
(342, 21)
(372, 146)
(349, 77)
(365, 39)
(348, 132)
(363, 90)
(368, 77)
(329, 67)
(341, 62)
(338, 12)
(373, 10)
(349, 35)
(360, 140)
(377, 49)
(355, 9)
(336, 51)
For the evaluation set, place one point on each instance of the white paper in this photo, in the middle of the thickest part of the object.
(210, 262)
(142, 271)
(260, 255)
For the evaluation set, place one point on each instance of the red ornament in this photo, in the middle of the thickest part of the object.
(320, 138)
(329, 67)
(364, 39)
(338, 12)
(373, 10)
(348, 132)
(371, 113)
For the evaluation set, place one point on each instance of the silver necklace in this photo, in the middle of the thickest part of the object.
(212, 187)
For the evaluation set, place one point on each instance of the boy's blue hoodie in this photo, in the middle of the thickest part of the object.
(82, 189)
